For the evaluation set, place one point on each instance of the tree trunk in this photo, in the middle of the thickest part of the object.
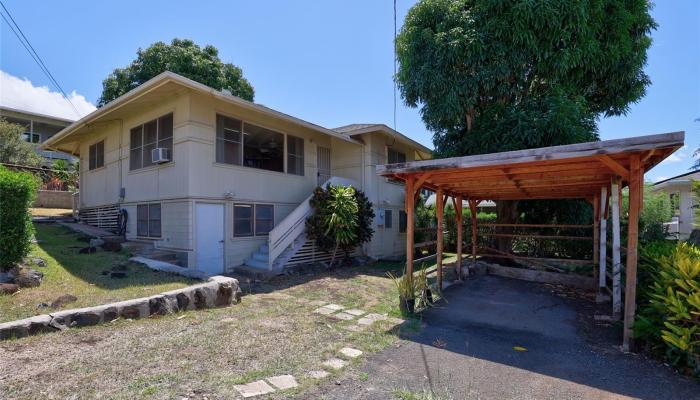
(335, 251)
(506, 213)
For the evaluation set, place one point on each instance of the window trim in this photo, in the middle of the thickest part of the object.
(253, 219)
(91, 156)
(244, 121)
(148, 220)
(157, 141)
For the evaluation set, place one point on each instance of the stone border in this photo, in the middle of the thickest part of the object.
(218, 291)
(557, 278)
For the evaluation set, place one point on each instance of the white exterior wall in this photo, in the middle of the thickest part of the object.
(194, 176)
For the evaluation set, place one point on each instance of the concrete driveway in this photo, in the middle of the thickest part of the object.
(466, 351)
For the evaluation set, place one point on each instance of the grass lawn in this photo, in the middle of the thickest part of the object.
(203, 354)
(80, 275)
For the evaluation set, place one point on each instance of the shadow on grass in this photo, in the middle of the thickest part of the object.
(62, 247)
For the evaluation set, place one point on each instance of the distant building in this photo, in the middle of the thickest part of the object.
(679, 189)
(39, 128)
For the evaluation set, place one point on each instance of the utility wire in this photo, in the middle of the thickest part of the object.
(33, 53)
(394, 78)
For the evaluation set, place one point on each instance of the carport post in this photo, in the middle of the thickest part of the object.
(635, 201)
(458, 216)
(472, 209)
(440, 205)
(596, 235)
(603, 253)
(616, 290)
(409, 205)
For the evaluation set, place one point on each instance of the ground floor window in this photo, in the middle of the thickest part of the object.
(253, 219)
(148, 220)
(388, 219)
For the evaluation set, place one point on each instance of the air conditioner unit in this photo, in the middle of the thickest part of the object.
(160, 155)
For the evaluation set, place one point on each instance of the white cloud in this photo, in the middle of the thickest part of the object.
(680, 155)
(21, 94)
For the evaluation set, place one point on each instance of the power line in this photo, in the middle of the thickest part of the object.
(394, 77)
(34, 54)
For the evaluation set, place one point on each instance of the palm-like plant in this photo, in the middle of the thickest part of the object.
(341, 220)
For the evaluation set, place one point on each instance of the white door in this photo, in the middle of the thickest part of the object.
(323, 161)
(209, 235)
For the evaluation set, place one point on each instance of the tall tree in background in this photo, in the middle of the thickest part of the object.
(183, 57)
(13, 148)
(494, 75)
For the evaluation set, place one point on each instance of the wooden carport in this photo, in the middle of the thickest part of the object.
(592, 171)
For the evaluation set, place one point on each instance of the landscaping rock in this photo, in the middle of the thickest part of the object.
(342, 316)
(8, 288)
(350, 352)
(110, 314)
(335, 363)
(28, 277)
(159, 305)
(7, 277)
(96, 242)
(318, 374)
(25, 327)
(39, 262)
(63, 300)
(133, 309)
(355, 312)
(256, 388)
(87, 317)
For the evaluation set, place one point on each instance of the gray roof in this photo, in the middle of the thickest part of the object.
(353, 127)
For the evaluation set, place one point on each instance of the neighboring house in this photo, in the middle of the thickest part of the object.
(679, 189)
(39, 128)
(223, 181)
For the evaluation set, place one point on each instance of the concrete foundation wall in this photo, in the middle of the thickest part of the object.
(54, 199)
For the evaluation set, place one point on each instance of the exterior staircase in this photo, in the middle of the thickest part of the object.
(287, 239)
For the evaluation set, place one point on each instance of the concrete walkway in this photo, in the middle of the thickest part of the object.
(498, 338)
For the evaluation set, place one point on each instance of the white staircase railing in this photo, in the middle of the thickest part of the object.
(294, 224)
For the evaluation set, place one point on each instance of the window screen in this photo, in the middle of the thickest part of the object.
(97, 155)
(264, 219)
(144, 138)
(263, 148)
(228, 140)
(243, 220)
(295, 155)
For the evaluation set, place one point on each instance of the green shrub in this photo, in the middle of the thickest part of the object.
(17, 192)
(341, 219)
(656, 210)
(669, 315)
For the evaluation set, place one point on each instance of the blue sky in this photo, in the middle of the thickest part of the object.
(329, 62)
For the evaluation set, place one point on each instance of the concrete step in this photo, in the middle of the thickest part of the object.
(261, 257)
(251, 262)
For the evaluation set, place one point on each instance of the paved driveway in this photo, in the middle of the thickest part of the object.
(466, 351)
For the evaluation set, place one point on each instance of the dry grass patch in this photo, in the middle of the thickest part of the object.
(69, 273)
(205, 353)
(51, 212)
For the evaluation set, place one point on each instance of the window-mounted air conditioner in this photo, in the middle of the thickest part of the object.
(160, 155)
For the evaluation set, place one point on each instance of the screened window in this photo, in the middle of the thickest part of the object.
(97, 155)
(388, 219)
(228, 140)
(264, 219)
(148, 220)
(31, 137)
(295, 155)
(144, 138)
(243, 220)
(263, 148)
(402, 221)
(394, 156)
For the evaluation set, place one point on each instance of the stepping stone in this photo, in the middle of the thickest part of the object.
(343, 316)
(355, 328)
(256, 388)
(365, 321)
(318, 374)
(228, 320)
(350, 352)
(355, 312)
(324, 311)
(376, 317)
(334, 307)
(335, 363)
(317, 303)
(283, 382)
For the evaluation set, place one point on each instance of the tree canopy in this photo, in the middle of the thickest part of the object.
(492, 75)
(13, 148)
(183, 57)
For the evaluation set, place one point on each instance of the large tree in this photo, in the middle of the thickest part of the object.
(13, 148)
(183, 57)
(496, 75)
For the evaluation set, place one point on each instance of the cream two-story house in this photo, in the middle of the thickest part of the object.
(224, 182)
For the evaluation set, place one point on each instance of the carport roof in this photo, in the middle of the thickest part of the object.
(557, 172)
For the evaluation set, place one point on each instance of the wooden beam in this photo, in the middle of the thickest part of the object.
(440, 204)
(635, 201)
(472, 208)
(410, 212)
(548, 237)
(458, 214)
(616, 289)
(596, 234)
(561, 226)
(603, 237)
(614, 166)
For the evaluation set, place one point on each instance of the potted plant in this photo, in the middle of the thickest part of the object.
(406, 288)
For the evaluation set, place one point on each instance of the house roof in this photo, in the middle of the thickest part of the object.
(170, 80)
(557, 172)
(678, 177)
(358, 129)
(16, 112)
